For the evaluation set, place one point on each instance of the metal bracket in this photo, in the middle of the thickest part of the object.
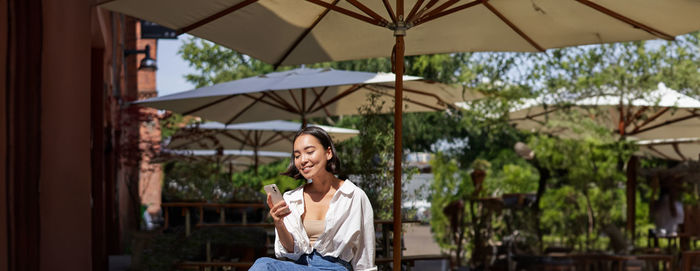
(399, 27)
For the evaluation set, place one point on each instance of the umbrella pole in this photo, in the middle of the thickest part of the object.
(398, 125)
(255, 154)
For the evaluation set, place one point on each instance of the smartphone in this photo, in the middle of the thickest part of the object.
(274, 193)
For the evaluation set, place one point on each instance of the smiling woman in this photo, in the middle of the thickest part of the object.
(325, 224)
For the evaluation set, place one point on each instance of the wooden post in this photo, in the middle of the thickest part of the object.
(188, 227)
(631, 195)
(399, 48)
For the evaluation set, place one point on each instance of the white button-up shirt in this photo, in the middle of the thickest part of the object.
(349, 233)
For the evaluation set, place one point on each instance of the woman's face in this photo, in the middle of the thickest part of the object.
(310, 157)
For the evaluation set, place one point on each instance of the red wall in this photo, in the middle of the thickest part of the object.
(65, 123)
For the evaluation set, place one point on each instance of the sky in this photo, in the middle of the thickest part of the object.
(170, 77)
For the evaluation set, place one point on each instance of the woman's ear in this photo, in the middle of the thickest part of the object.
(329, 154)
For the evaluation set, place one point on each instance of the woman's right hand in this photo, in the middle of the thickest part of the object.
(278, 211)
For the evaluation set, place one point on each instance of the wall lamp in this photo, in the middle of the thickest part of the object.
(147, 63)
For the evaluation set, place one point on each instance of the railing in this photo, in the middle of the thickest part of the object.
(219, 209)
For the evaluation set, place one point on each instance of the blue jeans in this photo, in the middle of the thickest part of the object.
(307, 262)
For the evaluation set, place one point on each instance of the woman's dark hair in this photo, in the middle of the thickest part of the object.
(333, 165)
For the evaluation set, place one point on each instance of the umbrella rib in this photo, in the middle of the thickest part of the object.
(341, 95)
(272, 139)
(390, 11)
(405, 99)
(627, 20)
(652, 118)
(532, 117)
(659, 152)
(303, 35)
(209, 104)
(513, 26)
(303, 103)
(439, 100)
(422, 19)
(693, 115)
(299, 107)
(348, 12)
(441, 7)
(413, 11)
(368, 11)
(248, 139)
(186, 134)
(258, 136)
(636, 116)
(675, 148)
(281, 103)
(215, 16)
(255, 101)
(232, 136)
(318, 98)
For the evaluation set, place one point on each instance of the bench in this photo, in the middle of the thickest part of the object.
(410, 261)
(203, 265)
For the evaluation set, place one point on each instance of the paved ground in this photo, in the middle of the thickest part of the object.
(419, 241)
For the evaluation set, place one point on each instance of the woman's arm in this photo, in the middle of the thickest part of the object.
(278, 212)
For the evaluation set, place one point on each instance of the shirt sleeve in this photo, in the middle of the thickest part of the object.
(280, 251)
(364, 259)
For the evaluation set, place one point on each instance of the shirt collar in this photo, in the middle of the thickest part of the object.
(297, 194)
(347, 188)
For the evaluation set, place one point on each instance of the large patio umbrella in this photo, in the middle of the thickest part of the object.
(296, 32)
(305, 93)
(274, 135)
(660, 114)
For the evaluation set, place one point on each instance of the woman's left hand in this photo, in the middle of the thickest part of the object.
(278, 211)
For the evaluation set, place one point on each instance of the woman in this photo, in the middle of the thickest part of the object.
(326, 224)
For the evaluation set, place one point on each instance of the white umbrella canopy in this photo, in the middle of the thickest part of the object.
(679, 149)
(661, 114)
(299, 32)
(274, 135)
(305, 93)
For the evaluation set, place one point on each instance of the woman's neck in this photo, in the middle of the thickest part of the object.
(322, 184)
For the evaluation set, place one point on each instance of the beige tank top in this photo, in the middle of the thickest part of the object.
(314, 228)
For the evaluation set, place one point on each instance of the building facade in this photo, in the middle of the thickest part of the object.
(71, 147)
